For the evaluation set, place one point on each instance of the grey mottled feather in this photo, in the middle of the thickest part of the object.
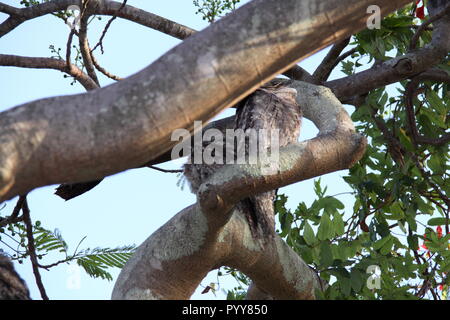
(271, 107)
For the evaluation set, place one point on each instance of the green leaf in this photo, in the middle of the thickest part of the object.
(356, 280)
(435, 118)
(338, 252)
(330, 204)
(326, 255)
(325, 231)
(347, 67)
(308, 235)
(380, 243)
(318, 188)
(387, 247)
(437, 221)
(338, 223)
(93, 269)
(437, 164)
(345, 285)
(96, 261)
(413, 242)
(405, 140)
(436, 102)
(396, 211)
(402, 227)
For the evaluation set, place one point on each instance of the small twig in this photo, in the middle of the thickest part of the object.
(68, 50)
(31, 247)
(48, 266)
(103, 70)
(14, 217)
(12, 249)
(100, 41)
(165, 170)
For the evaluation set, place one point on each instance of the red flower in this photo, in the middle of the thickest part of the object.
(423, 246)
(439, 231)
(441, 287)
(420, 10)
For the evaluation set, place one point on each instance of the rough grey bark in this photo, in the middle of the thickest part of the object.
(89, 136)
(171, 263)
(106, 7)
(12, 287)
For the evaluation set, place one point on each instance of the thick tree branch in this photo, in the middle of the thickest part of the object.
(106, 7)
(69, 191)
(336, 147)
(171, 263)
(48, 63)
(13, 11)
(255, 293)
(88, 136)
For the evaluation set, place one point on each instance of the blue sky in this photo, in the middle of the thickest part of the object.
(127, 207)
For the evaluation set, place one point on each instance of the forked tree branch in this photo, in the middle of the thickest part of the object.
(171, 263)
(48, 63)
